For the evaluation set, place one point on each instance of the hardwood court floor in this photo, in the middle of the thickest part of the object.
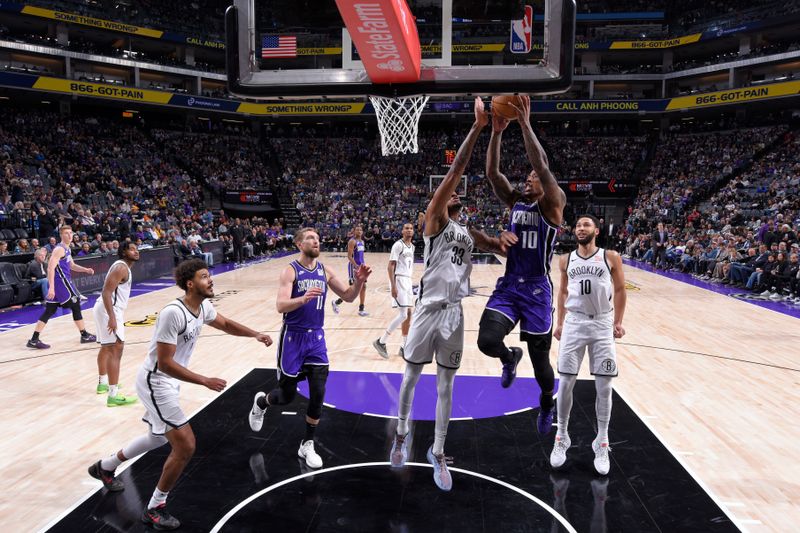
(716, 378)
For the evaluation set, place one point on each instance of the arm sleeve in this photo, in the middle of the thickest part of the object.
(209, 313)
(171, 323)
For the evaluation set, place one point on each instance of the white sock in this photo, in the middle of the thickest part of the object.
(394, 324)
(112, 391)
(444, 406)
(564, 402)
(157, 499)
(103, 380)
(143, 443)
(384, 337)
(406, 396)
(602, 406)
(110, 463)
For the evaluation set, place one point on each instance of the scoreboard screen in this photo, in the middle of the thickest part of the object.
(449, 156)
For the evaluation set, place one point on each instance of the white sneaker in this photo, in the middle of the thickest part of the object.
(775, 296)
(559, 454)
(363, 313)
(256, 416)
(306, 451)
(601, 461)
(765, 293)
(335, 306)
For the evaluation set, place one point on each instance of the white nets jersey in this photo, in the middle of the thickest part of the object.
(123, 291)
(590, 290)
(448, 263)
(177, 325)
(404, 255)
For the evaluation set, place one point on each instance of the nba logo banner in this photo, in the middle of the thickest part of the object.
(521, 33)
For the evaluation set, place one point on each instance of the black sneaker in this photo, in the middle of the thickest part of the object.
(510, 368)
(158, 518)
(88, 338)
(39, 345)
(110, 482)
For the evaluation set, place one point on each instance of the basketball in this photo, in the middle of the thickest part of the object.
(502, 105)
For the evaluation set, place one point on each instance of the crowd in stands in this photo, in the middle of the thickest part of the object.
(109, 182)
(380, 193)
(222, 161)
(722, 214)
(713, 190)
(692, 16)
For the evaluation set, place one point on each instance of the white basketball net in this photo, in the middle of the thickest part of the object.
(398, 122)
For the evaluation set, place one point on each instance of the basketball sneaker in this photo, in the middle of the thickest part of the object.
(119, 400)
(102, 388)
(601, 461)
(544, 422)
(510, 369)
(399, 454)
(159, 519)
(85, 339)
(306, 451)
(335, 306)
(362, 313)
(110, 482)
(256, 416)
(39, 345)
(559, 454)
(441, 474)
(380, 348)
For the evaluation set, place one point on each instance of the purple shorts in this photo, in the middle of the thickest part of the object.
(64, 291)
(528, 301)
(298, 347)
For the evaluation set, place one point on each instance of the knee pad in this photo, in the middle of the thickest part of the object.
(317, 379)
(76, 311)
(539, 344)
(284, 394)
(492, 329)
(49, 310)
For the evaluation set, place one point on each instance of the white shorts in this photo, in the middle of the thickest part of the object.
(101, 323)
(405, 292)
(596, 334)
(436, 330)
(160, 395)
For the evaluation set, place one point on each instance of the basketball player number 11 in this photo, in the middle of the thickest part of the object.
(319, 303)
(530, 239)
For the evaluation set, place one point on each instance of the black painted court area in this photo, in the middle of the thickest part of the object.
(646, 490)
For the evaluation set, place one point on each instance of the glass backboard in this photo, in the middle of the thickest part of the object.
(281, 49)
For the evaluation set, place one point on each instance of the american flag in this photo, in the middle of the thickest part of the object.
(278, 46)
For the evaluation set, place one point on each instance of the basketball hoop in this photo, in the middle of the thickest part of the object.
(398, 122)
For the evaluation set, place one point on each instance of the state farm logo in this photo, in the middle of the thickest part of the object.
(372, 22)
(394, 65)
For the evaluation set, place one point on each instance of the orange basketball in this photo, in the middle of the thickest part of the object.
(500, 105)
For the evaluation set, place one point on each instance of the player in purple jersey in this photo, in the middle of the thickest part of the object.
(525, 293)
(355, 258)
(61, 292)
(302, 353)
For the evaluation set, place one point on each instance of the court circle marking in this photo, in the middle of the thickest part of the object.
(230, 514)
